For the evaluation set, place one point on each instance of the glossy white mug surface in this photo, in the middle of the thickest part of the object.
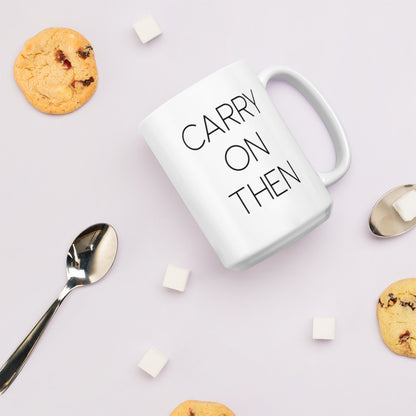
(237, 167)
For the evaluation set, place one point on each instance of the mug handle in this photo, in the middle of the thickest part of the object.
(325, 112)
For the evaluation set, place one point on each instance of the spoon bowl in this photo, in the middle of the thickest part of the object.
(89, 258)
(384, 220)
(91, 255)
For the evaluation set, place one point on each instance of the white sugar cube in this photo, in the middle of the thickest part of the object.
(176, 278)
(406, 206)
(152, 362)
(147, 28)
(323, 328)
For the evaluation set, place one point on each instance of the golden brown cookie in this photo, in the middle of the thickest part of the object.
(396, 313)
(197, 408)
(56, 70)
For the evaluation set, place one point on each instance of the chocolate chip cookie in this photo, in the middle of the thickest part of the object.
(56, 70)
(396, 312)
(197, 408)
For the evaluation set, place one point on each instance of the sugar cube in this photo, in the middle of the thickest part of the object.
(176, 278)
(406, 206)
(323, 328)
(152, 362)
(147, 28)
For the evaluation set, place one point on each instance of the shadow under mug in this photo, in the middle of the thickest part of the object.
(237, 167)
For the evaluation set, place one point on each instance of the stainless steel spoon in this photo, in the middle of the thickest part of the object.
(384, 220)
(89, 258)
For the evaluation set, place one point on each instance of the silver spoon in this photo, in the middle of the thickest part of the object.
(89, 258)
(384, 220)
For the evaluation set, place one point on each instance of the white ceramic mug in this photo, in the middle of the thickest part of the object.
(236, 165)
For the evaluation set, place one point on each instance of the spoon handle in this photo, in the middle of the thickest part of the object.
(17, 360)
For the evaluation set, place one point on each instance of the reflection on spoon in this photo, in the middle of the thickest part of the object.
(89, 259)
(384, 220)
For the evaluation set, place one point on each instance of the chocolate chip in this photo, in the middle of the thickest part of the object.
(392, 300)
(380, 302)
(88, 81)
(60, 56)
(67, 64)
(404, 337)
(84, 53)
(191, 412)
(411, 305)
(84, 82)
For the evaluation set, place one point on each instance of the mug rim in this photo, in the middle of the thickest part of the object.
(182, 92)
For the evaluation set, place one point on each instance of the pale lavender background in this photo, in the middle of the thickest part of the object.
(239, 338)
